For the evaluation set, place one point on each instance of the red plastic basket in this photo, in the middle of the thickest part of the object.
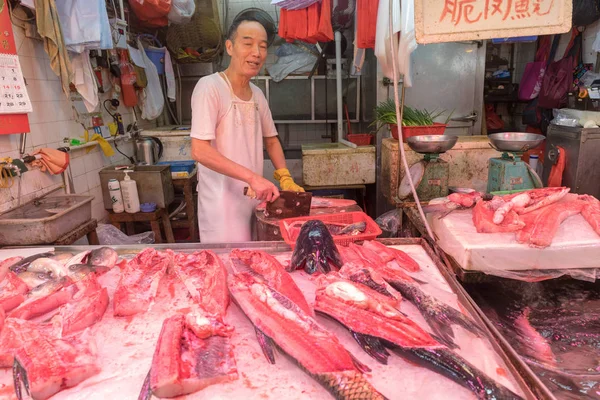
(409, 131)
(371, 231)
(360, 139)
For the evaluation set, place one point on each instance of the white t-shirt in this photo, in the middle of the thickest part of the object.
(235, 128)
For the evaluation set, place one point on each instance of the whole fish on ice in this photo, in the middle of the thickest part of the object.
(315, 249)
(299, 335)
(376, 327)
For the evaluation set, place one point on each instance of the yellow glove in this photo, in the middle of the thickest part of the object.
(286, 182)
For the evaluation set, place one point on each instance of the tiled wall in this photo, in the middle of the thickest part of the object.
(53, 118)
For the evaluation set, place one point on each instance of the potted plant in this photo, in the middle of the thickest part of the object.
(414, 122)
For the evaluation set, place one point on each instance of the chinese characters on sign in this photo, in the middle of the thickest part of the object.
(13, 94)
(471, 11)
(460, 20)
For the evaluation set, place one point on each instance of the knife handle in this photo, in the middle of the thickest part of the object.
(248, 191)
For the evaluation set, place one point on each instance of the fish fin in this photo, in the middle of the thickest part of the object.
(146, 392)
(363, 368)
(372, 346)
(446, 341)
(420, 282)
(266, 344)
(20, 379)
(461, 319)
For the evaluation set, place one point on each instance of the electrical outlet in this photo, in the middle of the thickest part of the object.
(118, 29)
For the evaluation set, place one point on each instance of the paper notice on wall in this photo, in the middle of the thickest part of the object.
(13, 93)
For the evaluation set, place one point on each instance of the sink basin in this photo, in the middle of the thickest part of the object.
(43, 221)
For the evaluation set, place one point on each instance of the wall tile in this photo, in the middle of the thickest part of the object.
(80, 184)
(93, 179)
(77, 166)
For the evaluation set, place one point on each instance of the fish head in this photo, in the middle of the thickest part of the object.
(81, 258)
(34, 279)
(23, 264)
(103, 257)
(48, 266)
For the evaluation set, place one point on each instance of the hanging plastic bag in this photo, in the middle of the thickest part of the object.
(151, 98)
(182, 11)
(152, 13)
(383, 49)
(408, 41)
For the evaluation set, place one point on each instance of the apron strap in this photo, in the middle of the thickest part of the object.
(234, 97)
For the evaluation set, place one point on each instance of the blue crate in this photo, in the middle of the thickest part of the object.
(180, 166)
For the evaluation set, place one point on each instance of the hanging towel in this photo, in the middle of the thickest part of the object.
(366, 23)
(104, 145)
(48, 26)
(556, 173)
(51, 160)
(84, 24)
(170, 77)
(85, 81)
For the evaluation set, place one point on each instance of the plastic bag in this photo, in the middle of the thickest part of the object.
(109, 235)
(182, 11)
(389, 223)
(564, 119)
(291, 59)
(151, 12)
(151, 98)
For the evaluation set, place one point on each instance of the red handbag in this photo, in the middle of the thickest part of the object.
(558, 78)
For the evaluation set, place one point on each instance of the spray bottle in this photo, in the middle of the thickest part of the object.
(130, 194)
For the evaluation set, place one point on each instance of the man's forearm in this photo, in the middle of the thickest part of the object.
(209, 157)
(275, 152)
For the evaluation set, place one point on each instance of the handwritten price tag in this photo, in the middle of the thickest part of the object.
(13, 93)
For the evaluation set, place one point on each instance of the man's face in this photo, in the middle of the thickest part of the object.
(248, 50)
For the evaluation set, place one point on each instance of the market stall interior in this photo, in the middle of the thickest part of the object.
(350, 199)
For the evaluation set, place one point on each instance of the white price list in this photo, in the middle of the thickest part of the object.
(13, 93)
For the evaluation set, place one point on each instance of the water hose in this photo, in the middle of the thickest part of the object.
(399, 112)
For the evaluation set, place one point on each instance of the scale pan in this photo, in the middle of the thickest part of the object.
(516, 142)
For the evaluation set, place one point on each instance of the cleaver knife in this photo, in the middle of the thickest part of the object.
(287, 205)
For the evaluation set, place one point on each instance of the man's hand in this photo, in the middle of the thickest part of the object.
(264, 189)
(286, 182)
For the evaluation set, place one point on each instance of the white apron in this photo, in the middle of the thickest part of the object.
(224, 213)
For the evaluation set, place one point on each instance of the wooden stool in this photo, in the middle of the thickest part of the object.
(187, 185)
(87, 229)
(153, 217)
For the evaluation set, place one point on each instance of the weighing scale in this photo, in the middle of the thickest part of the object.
(508, 172)
(431, 174)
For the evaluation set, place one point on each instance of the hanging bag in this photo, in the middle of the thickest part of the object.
(559, 75)
(531, 82)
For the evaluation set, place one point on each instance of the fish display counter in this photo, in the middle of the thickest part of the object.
(381, 319)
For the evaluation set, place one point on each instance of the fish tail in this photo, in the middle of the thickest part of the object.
(452, 366)
(20, 379)
(146, 392)
(266, 344)
(372, 346)
(348, 385)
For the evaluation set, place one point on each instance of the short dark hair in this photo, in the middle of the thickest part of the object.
(236, 24)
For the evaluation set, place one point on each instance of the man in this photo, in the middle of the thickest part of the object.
(230, 120)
